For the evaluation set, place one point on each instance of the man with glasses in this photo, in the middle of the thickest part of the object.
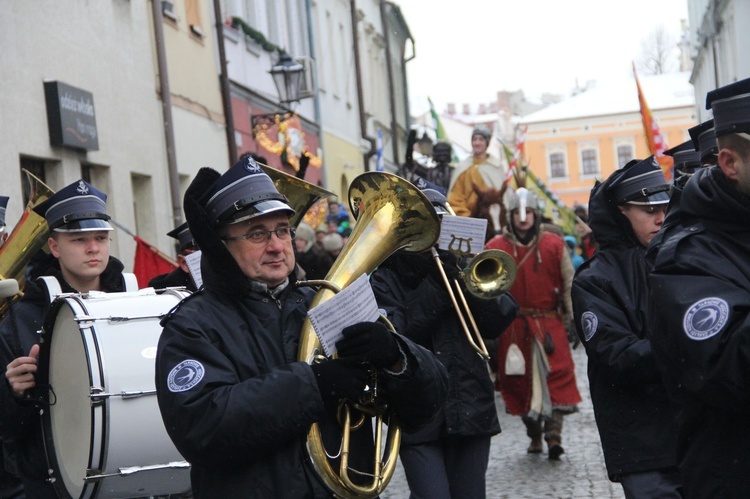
(233, 397)
(79, 260)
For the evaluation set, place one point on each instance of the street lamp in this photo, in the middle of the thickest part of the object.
(287, 76)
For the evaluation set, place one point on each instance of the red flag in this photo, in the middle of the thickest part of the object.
(656, 143)
(150, 262)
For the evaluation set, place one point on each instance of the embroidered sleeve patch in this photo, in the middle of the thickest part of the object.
(185, 376)
(589, 323)
(705, 318)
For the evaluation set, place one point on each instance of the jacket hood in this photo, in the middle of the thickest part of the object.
(219, 269)
(710, 198)
(611, 228)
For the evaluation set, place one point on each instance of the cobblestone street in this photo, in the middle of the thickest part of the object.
(513, 473)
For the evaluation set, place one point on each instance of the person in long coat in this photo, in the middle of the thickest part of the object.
(536, 373)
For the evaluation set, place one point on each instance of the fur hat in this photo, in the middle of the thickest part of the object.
(333, 242)
(305, 231)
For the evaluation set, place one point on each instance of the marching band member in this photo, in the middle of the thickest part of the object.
(181, 275)
(80, 260)
(700, 289)
(234, 399)
(610, 300)
(447, 458)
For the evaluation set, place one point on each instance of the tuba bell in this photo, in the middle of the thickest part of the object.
(300, 193)
(28, 236)
(392, 215)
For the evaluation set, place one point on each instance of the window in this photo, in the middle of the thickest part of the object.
(589, 162)
(36, 168)
(624, 155)
(557, 165)
(193, 14)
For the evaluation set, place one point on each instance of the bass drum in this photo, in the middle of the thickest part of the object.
(103, 432)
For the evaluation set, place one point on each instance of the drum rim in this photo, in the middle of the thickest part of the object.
(89, 489)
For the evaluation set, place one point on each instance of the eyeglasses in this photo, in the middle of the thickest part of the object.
(263, 236)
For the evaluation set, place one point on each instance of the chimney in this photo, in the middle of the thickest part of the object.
(466, 109)
(482, 109)
(451, 108)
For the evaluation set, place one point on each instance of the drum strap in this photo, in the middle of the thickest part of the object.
(53, 287)
(131, 283)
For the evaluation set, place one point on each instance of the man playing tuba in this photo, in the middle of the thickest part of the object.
(234, 399)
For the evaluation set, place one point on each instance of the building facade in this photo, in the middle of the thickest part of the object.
(96, 57)
(571, 144)
(720, 41)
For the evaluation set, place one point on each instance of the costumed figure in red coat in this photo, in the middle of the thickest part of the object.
(536, 374)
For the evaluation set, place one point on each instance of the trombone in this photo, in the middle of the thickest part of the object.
(489, 274)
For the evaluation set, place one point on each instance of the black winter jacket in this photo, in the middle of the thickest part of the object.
(610, 303)
(243, 419)
(701, 306)
(420, 308)
(19, 420)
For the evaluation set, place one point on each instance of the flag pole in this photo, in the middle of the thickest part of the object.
(153, 248)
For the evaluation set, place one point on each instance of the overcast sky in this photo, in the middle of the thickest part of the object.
(468, 50)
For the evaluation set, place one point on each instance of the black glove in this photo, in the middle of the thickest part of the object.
(369, 342)
(338, 380)
(450, 266)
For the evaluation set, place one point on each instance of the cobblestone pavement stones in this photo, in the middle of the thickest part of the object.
(512, 473)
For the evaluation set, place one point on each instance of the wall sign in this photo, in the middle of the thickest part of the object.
(70, 116)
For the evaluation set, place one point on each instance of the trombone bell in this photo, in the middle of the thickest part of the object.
(490, 274)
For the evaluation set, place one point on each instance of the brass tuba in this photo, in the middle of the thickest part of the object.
(300, 193)
(489, 274)
(28, 236)
(392, 215)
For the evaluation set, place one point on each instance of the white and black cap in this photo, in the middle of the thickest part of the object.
(78, 207)
(642, 182)
(243, 192)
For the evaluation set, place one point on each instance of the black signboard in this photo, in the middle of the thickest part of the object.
(70, 116)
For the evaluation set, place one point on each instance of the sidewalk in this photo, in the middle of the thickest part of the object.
(512, 473)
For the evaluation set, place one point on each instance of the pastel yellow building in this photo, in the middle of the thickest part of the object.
(571, 144)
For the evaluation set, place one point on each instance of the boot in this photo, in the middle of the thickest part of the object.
(553, 435)
(534, 432)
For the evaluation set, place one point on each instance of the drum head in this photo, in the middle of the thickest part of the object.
(70, 415)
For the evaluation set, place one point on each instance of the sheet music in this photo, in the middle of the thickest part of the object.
(462, 234)
(355, 303)
(193, 261)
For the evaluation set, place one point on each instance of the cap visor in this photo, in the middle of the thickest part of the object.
(91, 224)
(261, 208)
(658, 198)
